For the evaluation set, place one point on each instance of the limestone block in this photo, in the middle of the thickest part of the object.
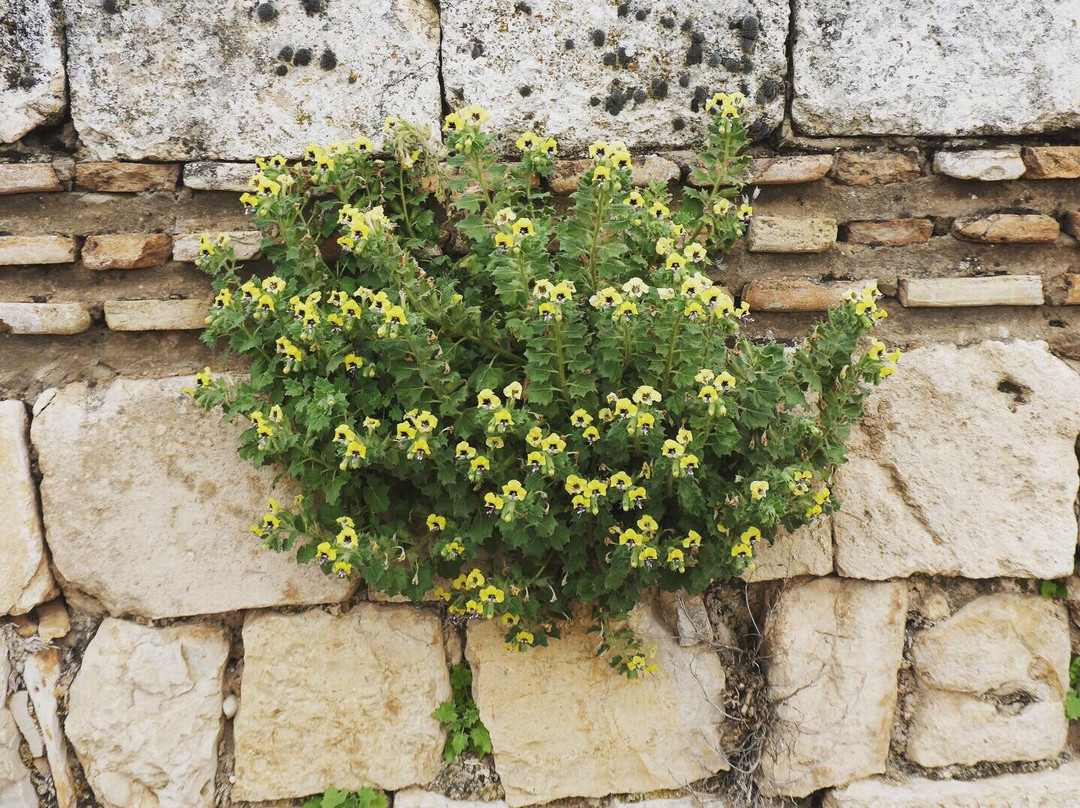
(32, 89)
(890, 233)
(988, 165)
(26, 178)
(1008, 228)
(41, 673)
(807, 551)
(36, 250)
(789, 170)
(129, 178)
(126, 250)
(783, 234)
(875, 167)
(44, 318)
(796, 294)
(206, 176)
(995, 290)
(245, 243)
(1052, 162)
(645, 169)
(156, 315)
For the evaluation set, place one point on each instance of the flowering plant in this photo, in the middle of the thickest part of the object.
(563, 412)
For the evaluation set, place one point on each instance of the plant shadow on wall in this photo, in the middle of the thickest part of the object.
(563, 413)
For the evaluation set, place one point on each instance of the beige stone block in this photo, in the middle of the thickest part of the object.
(890, 233)
(26, 178)
(988, 165)
(156, 315)
(789, 170)
(876, 167)
(208, 176)
(126, 177)
(33, 250)
(794, 294)
(245, 244)
(782, 234)
(44, 318)
(1052, 162)
(126, 250)
(646, 168)
(1008, 228)
(995, 290)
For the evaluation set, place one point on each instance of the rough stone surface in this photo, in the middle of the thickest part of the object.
(53, 621)
(1008, 228)
(780, 234)
(987, 165)
(130, 178)
(1070, 223)
(518, 61)
(16, 790)
(891, 233)
(34, 250)
(44, 318)
(25, 178)
(687, 617)
(876, 167)
(144, 714)
(991, 683)
(964, 464)
(794, 294)
(245, 244)
(570, 736)
(208, 85)
(156, 315)
(807, 551)
(32, 90)
(925, 68)
(996, 290)
(204, 176)
(126, 250)
(835, 648)
(1046, 789)
(25, 580)
(418, 798)
(41, 673)
(180, 486)
(363, 684)
(1072, 289)
(789, 170)
(1052, 162)
(646, 169)
(19, 705)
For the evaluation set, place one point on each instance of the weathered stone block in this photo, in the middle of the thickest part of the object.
(156, 315)
(622, 736)
(41, 674)
(807, 551)
(1072, 289)
(33, 250)
(794, 294)
(144, 714)
(646, 169)
(16, 789)
(991, 683)
(181, 487)
(32, 92)
(228, 83)
(44, 318)
(245, 244)
(834, 650)
(987, 165)
(1052, 162)
(1008, 228)
(26, 178)
(125, 178)
(891, 233)
(996, 290)
(876, 167)
(25, 580)
(781, 234)
(964, 464)
(363, 684)
(126, 250)
(926, 69)
(203, 176)
(789, 170)
(585, 71)
(418, 798)
(1046, 789)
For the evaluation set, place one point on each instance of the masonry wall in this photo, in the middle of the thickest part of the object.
(900, 655)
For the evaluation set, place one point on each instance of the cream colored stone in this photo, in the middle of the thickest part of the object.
(1056, 788)
(783, 234)
(32, 87)
(178, 487)
(890, 233)
(25, 580)
(126, 250)
(25, 178)
(687, 617)
(418, 798)
(794, 294)
(156, 315)
(34, 250)
(203, 176)
(363, 684)
(144, 715)
(129, 178)
(987, 165)
(1052, 162)
(44, 318)
(1072, 289)
(245, 244)
(580, 729)
(16, 790)
(1008, 228)
(834, 649)
(965, 464)
(996, 290)
(53, 621)
(991, 683)
(807, 551)
(875, 167)
(789, 170)
(646, 168)
(19, 705)
(41, 673)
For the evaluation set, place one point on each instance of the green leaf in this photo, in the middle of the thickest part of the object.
(479, 740)
(1072, 705)
(445, 713)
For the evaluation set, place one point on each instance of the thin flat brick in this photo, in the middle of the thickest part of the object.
(797, 294)
(1008, 228)
(156, 315)
(31, 250)
(875, 167)
(987, 165)
(782, 234)
(28, 178)
(44, 318)
(789, 170)
(126, 177)
(126, 250)
(999, 290)
(1052, 162)
(204, 176)
(890, 233)
(245, 244)
(646, 169)
(1072, 289)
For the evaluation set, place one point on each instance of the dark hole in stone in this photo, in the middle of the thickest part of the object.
(697, 38)
(684, 80)
(302, 57)
(609, 59)
(110, 6)
(1014, 703)
(623, 10)
(700, 94)
(285, 54)
(477, 49)
(328, 60)
(714, 60)
(694, 55)
(678, 124)
(641, 14)
(640, 94)
(1018, 391)
(569, 44)
(525, 91)
(458, 93)
(599, 38)
(313, 7)
(281, 70)
(523, 8)
(616, 101)
(594, 101)
(758, 129)
(770, 88)
(750, 25)
(266, 12)
(658, 88)
(688, 25)
(748, 44)
(1057, 324)
(667, 22)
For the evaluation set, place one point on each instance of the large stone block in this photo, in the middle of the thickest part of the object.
(235, 80)
(807, 551)
(1046, 789)
(25, 580)
(147, 505)
(964, 464)
(991, 683)
(834, 650)
(16, 790)
(863, 67)
(564, 724)
(583, 70)
(144, 714)
(32, 89)
(361, 685)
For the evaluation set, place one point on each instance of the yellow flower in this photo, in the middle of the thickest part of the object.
(452, 550)
(636, 497)
(510, 620)
(580, 418)
(648, 525)
(625, 408)
(597, 488)
(695, 252)
(475, 579)
(645, 422)
(693, 311)
(674, 260)
(684, 436)
(659, 210)
(548, 311)
(464, 451)
(601, 174)
(371, 424)
(502, 419)
(553, 444)
(440, 593)
(822, 495)
(418, 450)
(625, 311)
(647, 394)
(343, 434)
(688, 464)
(605, 414)
(475, 114)
(708, 394)
(758, 489)
(521, 639)
(514, 491)
(575, 484)
(676, 559)
(493, 502)
(426, 422)
(495, 442)
(492, 594)
(536, 460)
(542, 289)
(486, 399)
(453, 123)
(598, 150)
(634, 200)
(620, 480)
(744, 212)
(503, 241)
(395, 315)
(692, 540)
(722, 207)
(523, 227)
(591, 434)
(473, 608)
(325, 552)
(342, 569)
(725, 381)
(405, 431)
(513, 391)
(631, 536)
(749, 535)
(647, 556)
(436, 522)
(549, 147)
(479, 464)
(877, 348)
(742, 550)
(528, 141)
(562, 292)
(347, 537)
(672, 449)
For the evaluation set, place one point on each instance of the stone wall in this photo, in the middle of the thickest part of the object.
(899, 656)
